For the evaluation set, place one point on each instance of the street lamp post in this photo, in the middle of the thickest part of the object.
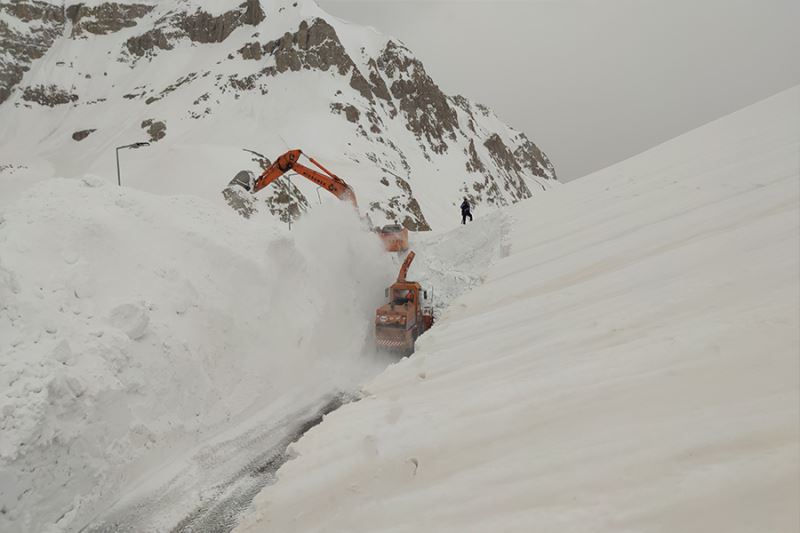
(132, 146)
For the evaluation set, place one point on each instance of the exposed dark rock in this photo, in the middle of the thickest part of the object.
(315, 47)
(241, 201)
(426, 108)
(251, 51)
(33, 11)
(375, 121)
(505, 160)
(350, 111)
(378, 84)
(48, 95)
(360, 84)
(247, 83)
(474, 163)
(45, 23)
(253, 14)
(285, 201)
(147, 42)
(461, 102)
(485, 191)
(501, 153)
(81, 135)
(105, 18)
(534, 159)
(156, 129)
(483, 109)
(403, 209)
(169, 88)
(200, 27)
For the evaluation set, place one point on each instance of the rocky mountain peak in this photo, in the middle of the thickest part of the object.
(260, 77)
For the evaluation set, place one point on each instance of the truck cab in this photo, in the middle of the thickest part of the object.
(405, 316)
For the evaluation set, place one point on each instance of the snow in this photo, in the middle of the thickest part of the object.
(630, 365)
(135, 326)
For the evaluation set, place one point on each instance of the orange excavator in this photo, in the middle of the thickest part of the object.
(394, 236)
(399, 322)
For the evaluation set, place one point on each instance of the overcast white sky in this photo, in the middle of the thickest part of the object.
(595, 81)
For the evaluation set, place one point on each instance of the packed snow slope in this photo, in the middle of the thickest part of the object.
(223, 86)
(632, 365)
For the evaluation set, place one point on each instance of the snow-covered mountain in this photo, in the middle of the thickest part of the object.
(223, 86)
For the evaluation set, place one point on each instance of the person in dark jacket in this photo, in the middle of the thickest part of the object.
(465, 211)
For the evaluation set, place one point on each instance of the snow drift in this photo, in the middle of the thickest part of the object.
(134, 326)
(632, 365)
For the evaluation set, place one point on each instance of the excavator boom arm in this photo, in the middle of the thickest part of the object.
(278, 168)
(332, 183)
(325, 179)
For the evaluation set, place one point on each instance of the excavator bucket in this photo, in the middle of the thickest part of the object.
(243, 179)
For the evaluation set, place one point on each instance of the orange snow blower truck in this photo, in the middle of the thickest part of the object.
(399, 322)
(394, 236)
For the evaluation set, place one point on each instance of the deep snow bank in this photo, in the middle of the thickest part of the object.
(632, 365)
(133, 326)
